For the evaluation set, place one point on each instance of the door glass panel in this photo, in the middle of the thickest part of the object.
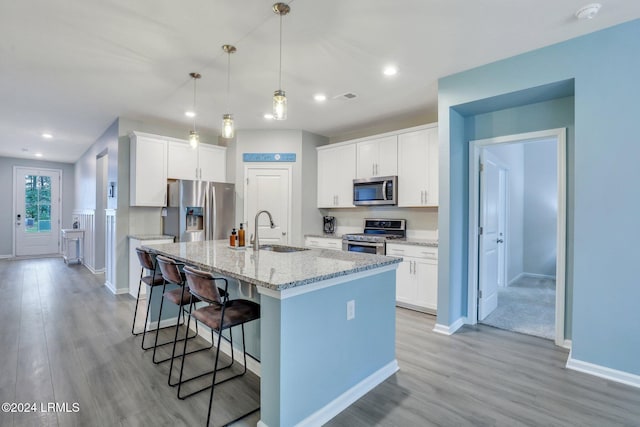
(37, 192)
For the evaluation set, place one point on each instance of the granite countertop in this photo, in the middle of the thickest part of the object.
(325, 236)
(150, 236)
(433, 243)
(273, 270)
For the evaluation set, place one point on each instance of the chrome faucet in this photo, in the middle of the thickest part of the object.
(256, 241)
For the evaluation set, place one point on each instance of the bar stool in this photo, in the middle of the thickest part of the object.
(153, 279)
(219, 315)
(180, 297)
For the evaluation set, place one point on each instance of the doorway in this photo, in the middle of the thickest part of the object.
(517, 233)
(268, 188)
(37, 196)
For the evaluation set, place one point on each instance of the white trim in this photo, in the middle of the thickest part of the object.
(515, 279)
(533, 275)
(567, 344)
(113, 289)
(164, 323)
(6, 256)
(342, 402)
(225, 346)
(379, 135)
(603, 372)
(475, 148)
(451, 329)
(312, 287)
(94, 271)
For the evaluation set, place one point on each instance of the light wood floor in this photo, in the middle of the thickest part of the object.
(65, 338)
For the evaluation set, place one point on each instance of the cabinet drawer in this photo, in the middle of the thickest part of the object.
(323, 243)
(413, 251)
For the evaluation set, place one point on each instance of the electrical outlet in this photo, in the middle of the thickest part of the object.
(351, 309)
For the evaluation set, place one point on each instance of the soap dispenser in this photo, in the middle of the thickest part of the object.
(233, 238)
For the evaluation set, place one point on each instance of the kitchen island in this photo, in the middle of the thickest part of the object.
(327, 326)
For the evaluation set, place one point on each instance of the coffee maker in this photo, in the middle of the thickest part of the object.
(329, 224)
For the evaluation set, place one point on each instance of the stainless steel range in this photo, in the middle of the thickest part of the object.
(376, 233)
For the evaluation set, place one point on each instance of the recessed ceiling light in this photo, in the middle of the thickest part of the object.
(268, 116)
(38, 154)
(320, 97)
(47, 136)
(190, 114)
(390, 70)
(588, 11)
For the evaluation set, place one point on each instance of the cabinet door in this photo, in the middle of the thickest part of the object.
(367, 158)
(326, 179)
(433, 162)
(212, 161)
(148, 171)
(182, 161)
(343, 169)
(377, 157)
(427, 283)
(336, 172)
(406, 290)
(413, 165)
(387, 164)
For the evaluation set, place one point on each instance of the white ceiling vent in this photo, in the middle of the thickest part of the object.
(346, 96)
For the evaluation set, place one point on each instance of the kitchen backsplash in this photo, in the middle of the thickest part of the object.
(422, 223)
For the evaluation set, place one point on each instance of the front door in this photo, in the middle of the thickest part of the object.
(268, 189)
(490, 238)
(37, 211)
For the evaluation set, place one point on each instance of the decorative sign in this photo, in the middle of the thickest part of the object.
(269, 157)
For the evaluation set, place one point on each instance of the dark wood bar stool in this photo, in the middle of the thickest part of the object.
(182, 298)
(153, 278)
(219, 315)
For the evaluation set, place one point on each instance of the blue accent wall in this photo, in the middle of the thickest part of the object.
(603, 176)
(318, 354)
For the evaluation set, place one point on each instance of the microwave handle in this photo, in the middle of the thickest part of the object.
(384, 190)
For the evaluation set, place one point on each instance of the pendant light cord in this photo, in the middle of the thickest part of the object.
(228, 77)
(280, 72)
(194, 104)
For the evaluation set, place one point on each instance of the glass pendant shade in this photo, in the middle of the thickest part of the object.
(228, 130)
(194, 139)
(279, 105)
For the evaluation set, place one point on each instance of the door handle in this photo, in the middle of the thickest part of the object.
(284, 233)
(500, 241)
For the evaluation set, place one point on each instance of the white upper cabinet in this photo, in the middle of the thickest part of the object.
(378, 157)
(148, 170)
(182, 161)
(418, 168)
(206, 162)
(336, 172)
(212, 161)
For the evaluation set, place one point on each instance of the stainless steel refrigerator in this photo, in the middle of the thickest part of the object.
(200, 210)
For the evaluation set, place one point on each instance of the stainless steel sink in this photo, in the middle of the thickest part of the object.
(280, 248)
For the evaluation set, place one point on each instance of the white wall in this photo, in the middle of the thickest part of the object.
(6, 194)
(540, 207)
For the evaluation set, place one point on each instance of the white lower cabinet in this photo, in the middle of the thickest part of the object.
(323, 243)
(416, 277)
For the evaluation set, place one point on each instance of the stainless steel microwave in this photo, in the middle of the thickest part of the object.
(379, 190)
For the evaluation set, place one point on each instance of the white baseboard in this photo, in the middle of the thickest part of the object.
(603, 372)
(113, 289)
(225, 347)
(532, 275)
(451, 329)
(6, 256)
(567, 344)
(164, 323)
(340, 403)
(93, 270)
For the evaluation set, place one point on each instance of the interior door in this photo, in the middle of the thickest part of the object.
(37, 211)
(268, 189)
(489, 213)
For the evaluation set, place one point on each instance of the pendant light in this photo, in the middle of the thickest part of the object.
(194, 138)
(228, 130)
(279, 97)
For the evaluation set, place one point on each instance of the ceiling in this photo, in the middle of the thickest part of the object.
(71, 71)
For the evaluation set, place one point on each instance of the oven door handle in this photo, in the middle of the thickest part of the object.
(368, 244)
